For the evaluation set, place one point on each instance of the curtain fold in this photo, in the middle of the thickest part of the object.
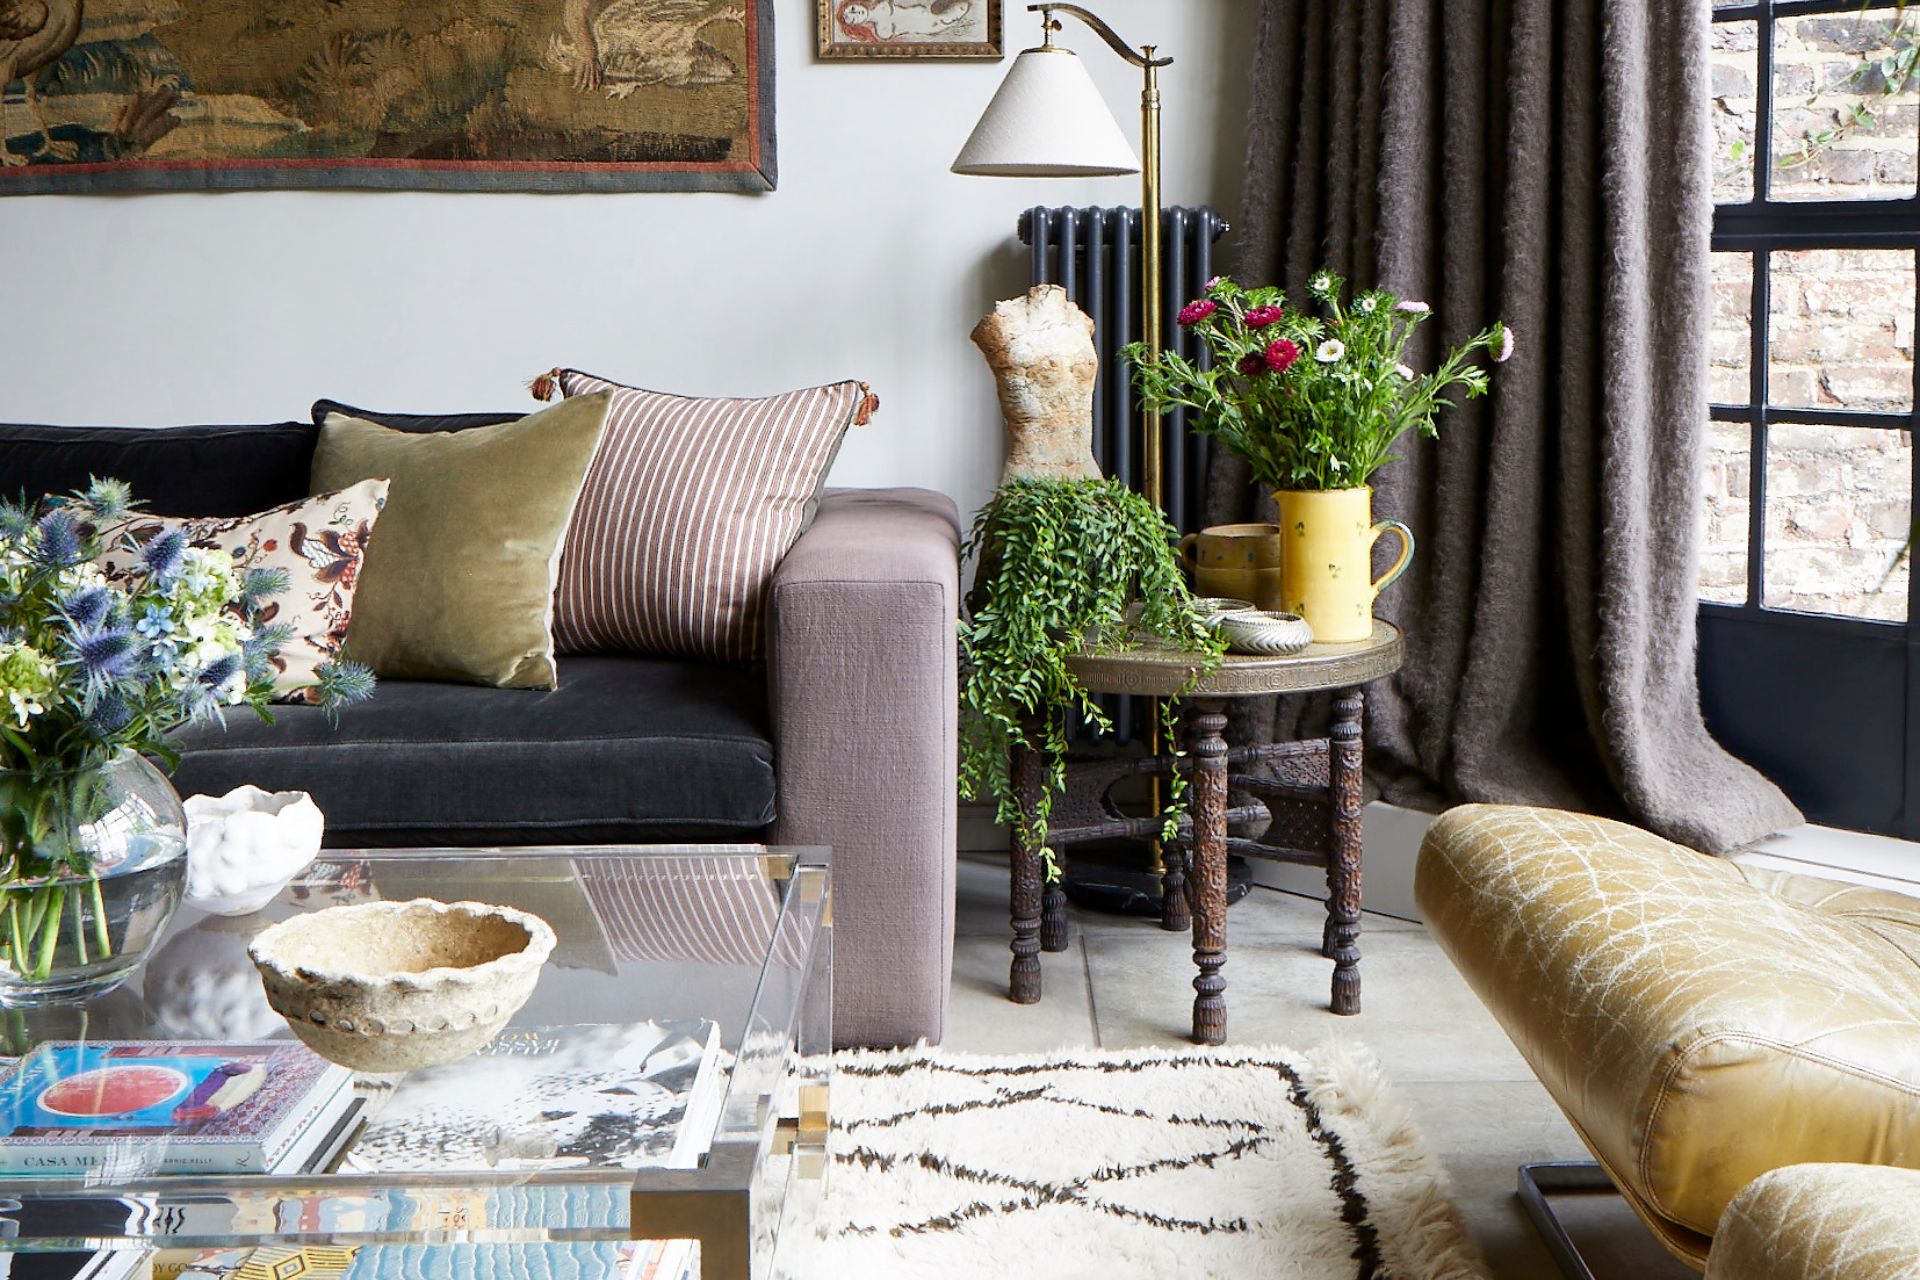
(1546, 162)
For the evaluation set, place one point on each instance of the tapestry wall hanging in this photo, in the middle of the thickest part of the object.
(451, 95)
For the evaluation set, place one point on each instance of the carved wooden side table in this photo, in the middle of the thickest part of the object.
(1310, 791)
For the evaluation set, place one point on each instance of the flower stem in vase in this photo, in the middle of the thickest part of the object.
(56, 898)
(16, 935)
(99, 916)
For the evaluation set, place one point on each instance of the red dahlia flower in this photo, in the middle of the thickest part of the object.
(1253, 364)
(1261, 317)
(1280, 354)
(1194, 312)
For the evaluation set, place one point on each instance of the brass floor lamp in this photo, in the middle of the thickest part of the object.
(1048, 120)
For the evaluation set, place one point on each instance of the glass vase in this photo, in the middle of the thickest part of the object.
(94, 863)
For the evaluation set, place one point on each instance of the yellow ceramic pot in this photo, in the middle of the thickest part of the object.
(1238, 561)
(1326, 539)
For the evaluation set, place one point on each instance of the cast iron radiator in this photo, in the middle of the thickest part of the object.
(1095, 255)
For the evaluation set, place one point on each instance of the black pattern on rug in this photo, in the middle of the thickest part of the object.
(1341, 1176)
(1111, 1165)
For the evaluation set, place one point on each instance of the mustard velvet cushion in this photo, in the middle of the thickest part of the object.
(459, 585)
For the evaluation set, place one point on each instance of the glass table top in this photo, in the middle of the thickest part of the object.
(739, 935)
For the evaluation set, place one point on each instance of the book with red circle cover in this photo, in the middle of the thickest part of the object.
(139, 1107)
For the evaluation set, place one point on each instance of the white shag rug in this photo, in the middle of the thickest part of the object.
(1262, 1163)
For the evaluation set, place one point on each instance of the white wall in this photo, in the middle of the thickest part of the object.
(871, 261)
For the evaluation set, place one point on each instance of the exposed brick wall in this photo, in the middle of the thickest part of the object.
(1841, 330)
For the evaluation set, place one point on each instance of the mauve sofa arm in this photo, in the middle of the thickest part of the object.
(861, 658)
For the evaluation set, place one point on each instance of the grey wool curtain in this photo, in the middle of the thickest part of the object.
(1545, 162)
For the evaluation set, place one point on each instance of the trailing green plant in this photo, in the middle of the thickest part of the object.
(1310, 401)
(1061, 562)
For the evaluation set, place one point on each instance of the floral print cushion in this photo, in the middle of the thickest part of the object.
(320, 542)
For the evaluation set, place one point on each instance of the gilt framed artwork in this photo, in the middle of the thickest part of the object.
(453, 95)
(910, 29)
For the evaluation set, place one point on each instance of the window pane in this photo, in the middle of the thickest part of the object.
(1727, 484)
(1731, 342)
(1845, 123)
(1841, 330)
(1736, 70)
(1839, 508)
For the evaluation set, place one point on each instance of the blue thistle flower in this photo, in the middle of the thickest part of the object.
(60, 542)
(197, 703)
(87, 608)
(164, 553)
(110, 715)
(260, 648)
(105, 655)
(257, 585)
(342, 683)
(16, 520)
(220, 670)
(108, 499)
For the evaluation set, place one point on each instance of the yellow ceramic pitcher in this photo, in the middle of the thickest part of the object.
(1326, 560)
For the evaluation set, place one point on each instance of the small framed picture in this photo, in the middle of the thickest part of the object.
(910, 29)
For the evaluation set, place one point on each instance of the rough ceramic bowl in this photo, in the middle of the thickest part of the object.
(246, 846)
(1268, 634)
(394, 986)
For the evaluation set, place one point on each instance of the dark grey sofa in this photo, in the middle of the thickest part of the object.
(846, 738)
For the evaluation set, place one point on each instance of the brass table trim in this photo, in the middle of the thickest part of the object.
(1166, 673)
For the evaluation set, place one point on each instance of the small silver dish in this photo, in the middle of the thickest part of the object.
(1270, 635)
(1210, 609)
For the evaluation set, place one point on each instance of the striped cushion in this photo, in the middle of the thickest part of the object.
(688, 509)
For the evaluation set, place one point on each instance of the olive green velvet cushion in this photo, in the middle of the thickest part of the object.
(458, 584)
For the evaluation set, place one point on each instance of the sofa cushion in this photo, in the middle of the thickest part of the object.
(1821, 1222)
(459, 584)
(687, 512)
(174, 471)
(417, 422)
(1699, 1021)
(318, 542)
(627, 749)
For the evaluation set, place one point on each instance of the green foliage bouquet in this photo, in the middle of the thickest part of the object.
(1310, 402)
(93, 668)
(1061, 563)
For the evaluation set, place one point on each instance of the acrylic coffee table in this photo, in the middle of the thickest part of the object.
(1307, 793)
(738, 934)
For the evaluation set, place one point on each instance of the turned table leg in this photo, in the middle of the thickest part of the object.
(1053, 917)
(1208, 886)
(1174, 915)
(1344, 850)
(1023, 982)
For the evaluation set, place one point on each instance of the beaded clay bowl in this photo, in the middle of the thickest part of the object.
(1268, 634)
(394, 986)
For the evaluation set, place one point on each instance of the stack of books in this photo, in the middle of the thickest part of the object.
(116, 1110)
(624, 1096)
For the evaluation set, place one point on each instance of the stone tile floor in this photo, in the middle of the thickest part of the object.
(1125, 982)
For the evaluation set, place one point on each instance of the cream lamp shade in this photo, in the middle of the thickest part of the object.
(1047, 121)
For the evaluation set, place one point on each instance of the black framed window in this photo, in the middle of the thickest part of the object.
(1810, 470)
(1810, 474)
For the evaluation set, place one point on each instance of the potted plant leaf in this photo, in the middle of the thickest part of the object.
(1315, 404)
(1063, 563)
